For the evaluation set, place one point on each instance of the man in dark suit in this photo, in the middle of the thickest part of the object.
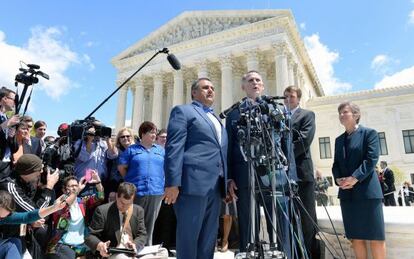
(238, 169)
(303, 127)
(108, 228)
(195, 171)
(388, 176)
(8, 144)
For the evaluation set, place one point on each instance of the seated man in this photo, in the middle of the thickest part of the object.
(118, 224)
(70, 224)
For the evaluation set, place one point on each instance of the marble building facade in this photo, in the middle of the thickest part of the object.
(221, 45)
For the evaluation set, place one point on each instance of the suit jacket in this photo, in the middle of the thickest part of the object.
(237, 168)
(193, 155)
(303, 127)
(389, 179)
(106, 224)
(359, 161)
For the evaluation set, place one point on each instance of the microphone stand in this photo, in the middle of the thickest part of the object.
(164, 50)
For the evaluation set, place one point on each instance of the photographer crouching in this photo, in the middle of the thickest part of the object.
(28, 194)
(91, 153)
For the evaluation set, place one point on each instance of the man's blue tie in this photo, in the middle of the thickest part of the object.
(208, 109)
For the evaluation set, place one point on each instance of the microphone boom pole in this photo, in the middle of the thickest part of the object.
(164, 50)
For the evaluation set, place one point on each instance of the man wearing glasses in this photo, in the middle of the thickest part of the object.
(7, 144)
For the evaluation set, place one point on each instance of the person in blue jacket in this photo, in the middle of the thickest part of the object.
(196, 171)
(356, 155)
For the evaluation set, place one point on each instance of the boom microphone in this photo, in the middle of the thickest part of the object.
(172, 59)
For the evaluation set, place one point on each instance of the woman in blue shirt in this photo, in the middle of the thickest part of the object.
(143, 165)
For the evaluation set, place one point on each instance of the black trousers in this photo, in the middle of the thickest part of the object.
(389, 200)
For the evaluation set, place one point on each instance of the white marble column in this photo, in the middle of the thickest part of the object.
(252, 60)
(226, 81)
(170, 93)
(296, 75)
(178, 88)
(281, 66)
(188, 84)
(157, 100)
(121, 109)
(263, 72)
(137, 118)
(202, 69)
(291, 65)
(147, 104)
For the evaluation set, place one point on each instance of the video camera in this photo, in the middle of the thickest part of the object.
(79, 127)
(29, 75)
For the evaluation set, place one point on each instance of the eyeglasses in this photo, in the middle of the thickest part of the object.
(125, 136)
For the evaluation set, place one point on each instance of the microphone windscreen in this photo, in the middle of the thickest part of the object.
(174, 61)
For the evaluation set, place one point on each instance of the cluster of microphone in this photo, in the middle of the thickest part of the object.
(260, 100)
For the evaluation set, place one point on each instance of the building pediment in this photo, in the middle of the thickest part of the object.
(195, 24)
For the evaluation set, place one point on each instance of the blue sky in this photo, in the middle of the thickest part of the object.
(354, 45)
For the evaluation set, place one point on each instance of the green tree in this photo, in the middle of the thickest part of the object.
(399, 176)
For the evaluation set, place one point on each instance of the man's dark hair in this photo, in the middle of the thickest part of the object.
(4, 91)
(161, 131)
(146, 127)
(126, 190)
(6, 201)
(294, 88)
(195, 84)
(69, 178)
(39, 124)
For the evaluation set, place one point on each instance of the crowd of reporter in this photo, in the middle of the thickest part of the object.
(91, 176)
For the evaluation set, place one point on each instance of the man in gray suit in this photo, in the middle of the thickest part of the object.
(303, 127)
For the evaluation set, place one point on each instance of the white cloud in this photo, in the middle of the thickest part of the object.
(383, 64)
(302, 26)
(379, 61)
(403, 77)
(323, 60)
(411, 17)
(46, 49)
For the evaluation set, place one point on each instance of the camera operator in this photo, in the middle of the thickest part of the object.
(28, 196)
(7, 143)
(91, 153)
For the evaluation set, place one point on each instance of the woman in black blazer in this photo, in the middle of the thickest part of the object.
(356, 155)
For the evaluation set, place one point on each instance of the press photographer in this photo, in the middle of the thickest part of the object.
(92, 151)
